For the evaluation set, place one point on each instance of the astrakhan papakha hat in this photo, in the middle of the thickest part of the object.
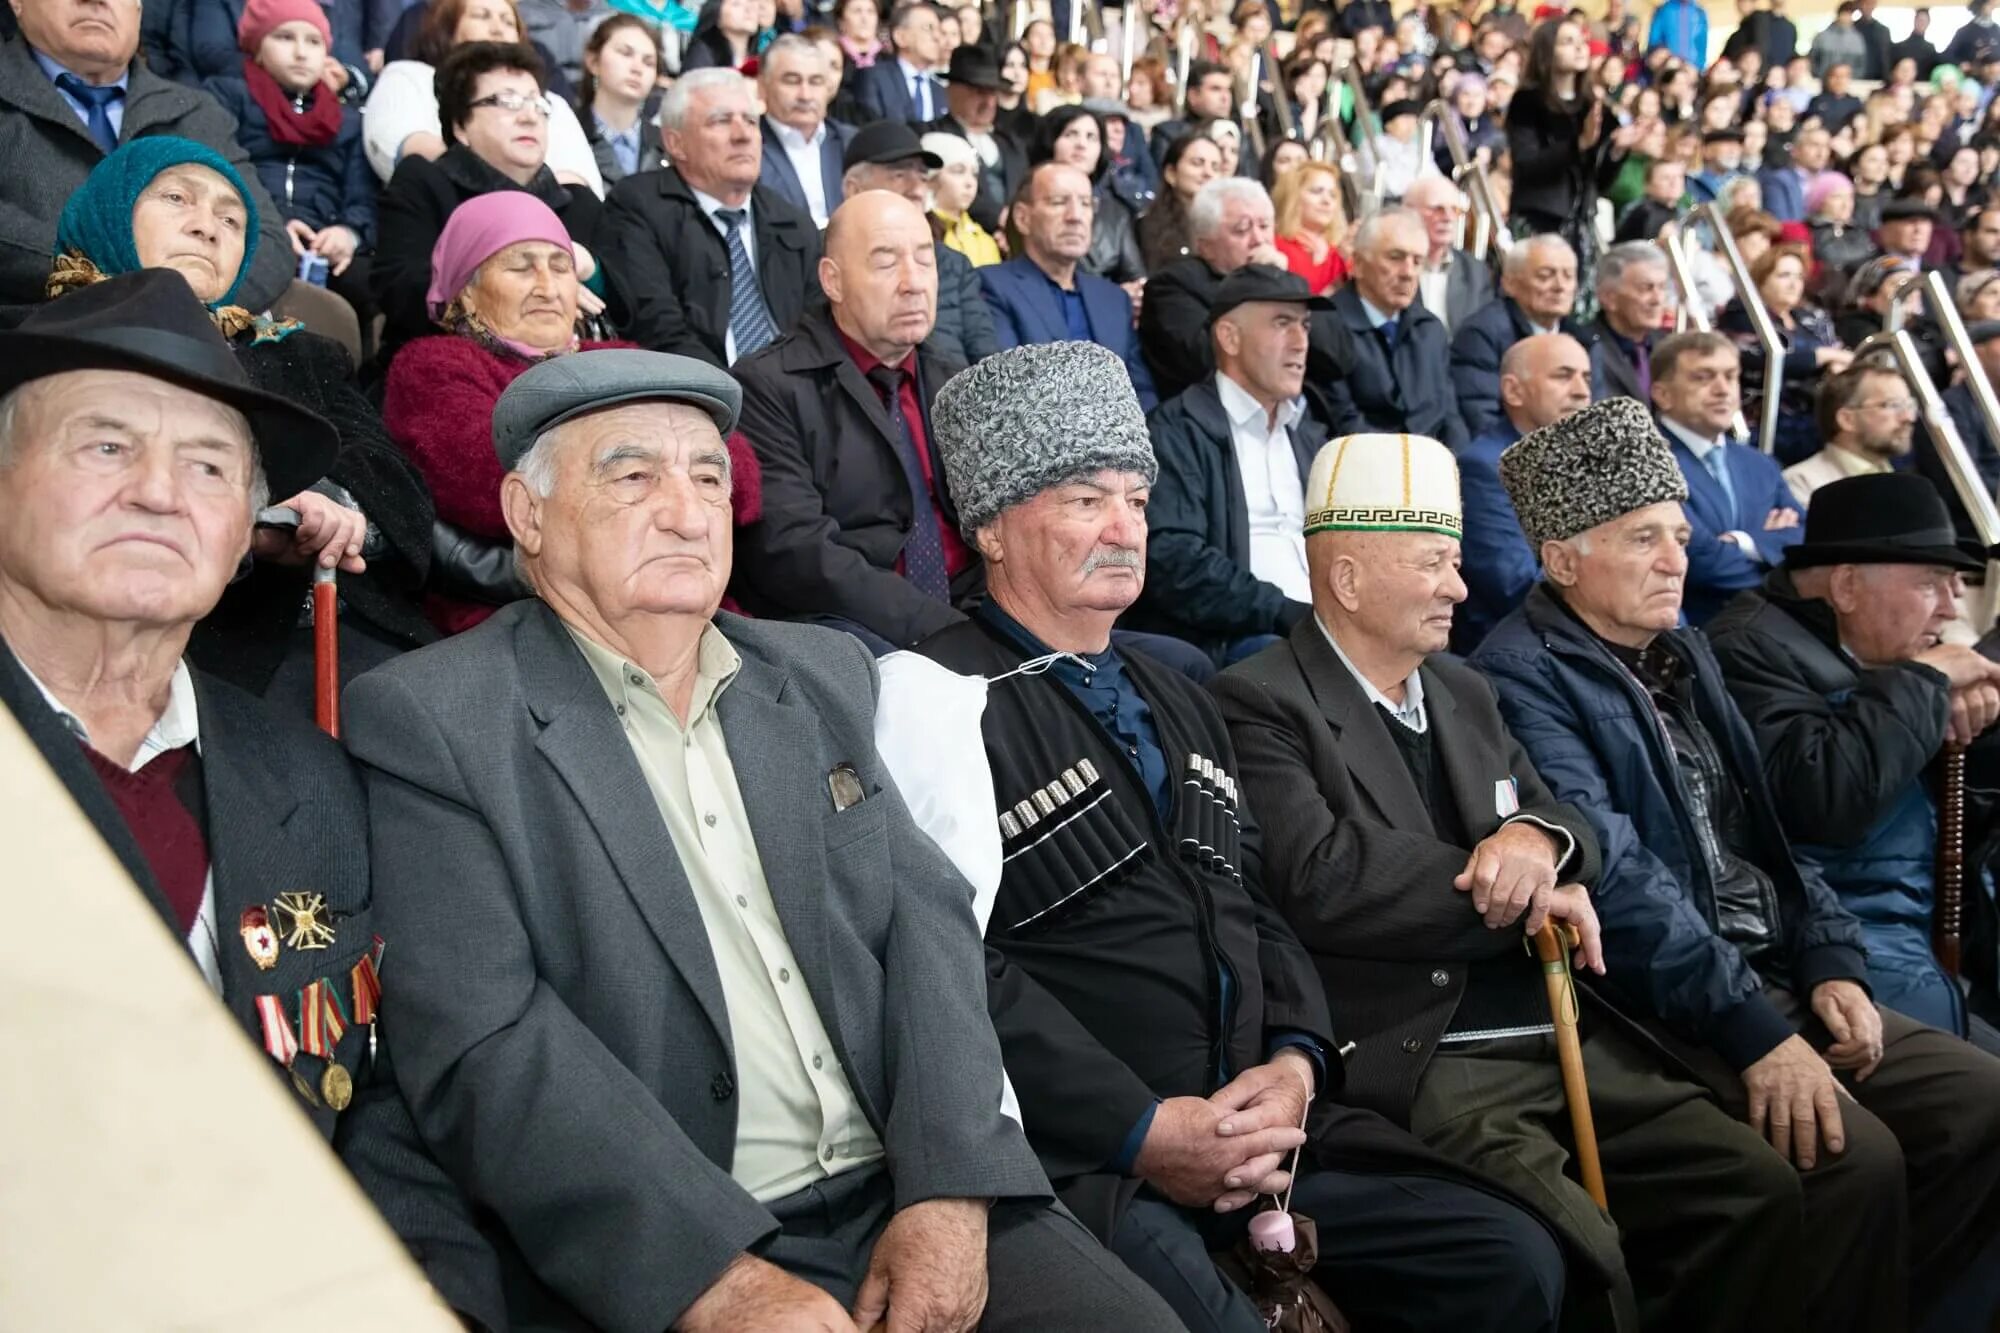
(1600, 464)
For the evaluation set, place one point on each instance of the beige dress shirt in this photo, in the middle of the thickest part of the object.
(798, 1120)
(1829, 464)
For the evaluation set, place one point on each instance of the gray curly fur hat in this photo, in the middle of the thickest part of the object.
(1035, 417)
(1604, 462)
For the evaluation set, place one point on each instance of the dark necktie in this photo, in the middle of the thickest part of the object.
(97, 102)
(923, 549)
(1642, 363)
(1387, 329)
(749, 318)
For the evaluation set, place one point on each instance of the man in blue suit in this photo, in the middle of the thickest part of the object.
(802, 146)
(905, 86)
(1041, 296)
(1742, 512)
(1543, 378)
(1784, 188)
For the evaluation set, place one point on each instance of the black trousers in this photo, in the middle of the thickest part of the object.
(1045, 1272)
(1398, 1254)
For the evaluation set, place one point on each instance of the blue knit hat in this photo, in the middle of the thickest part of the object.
(97, 220)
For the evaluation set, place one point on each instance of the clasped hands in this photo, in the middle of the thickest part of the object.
(1222, 1151)
(1511, 876)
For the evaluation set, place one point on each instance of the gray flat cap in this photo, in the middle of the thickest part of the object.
(1034, 417)
(1600, 464)
(565, 387)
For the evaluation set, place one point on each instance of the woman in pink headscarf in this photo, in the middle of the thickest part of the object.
(504, 293)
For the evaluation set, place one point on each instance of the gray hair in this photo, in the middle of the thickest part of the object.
(789, 43)
(1375, 223)
(1213, 200)
(10, 415)
(674, 106)
(1521, 254)
(1625, 256)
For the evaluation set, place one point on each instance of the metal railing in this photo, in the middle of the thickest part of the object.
(1691, 314)
(1187, 40)
(1489, 228)
(1760, 323)
(1968, 355)
(1965, 480)
(1898, 314)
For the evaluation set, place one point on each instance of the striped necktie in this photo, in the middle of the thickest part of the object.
(749, 318)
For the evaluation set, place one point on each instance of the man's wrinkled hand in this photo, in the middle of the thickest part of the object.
(1509, 872)
(1794, 1102)
(1570, 905)
(754, 1294)
(1855, 1023)
(928, 1271)
(1263, 1097)
(329, 535)
(1188, 1158)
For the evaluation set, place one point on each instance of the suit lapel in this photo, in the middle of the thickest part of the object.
(1045, 300)
(23, 84)
(777, 163)
(1468, 769)
(1703, 489)
(1365, 745)
(583, 742)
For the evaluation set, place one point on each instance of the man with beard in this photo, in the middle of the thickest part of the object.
(1865, 416)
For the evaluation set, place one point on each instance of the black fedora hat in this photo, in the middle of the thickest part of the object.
(1883, 518)
(975, 67)
(885, 142)
(150, 322)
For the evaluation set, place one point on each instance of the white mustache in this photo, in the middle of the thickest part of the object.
(1117, 557)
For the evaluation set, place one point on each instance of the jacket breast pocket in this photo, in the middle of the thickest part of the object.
(1064, 846)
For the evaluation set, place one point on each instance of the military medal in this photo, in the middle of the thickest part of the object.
(259, 938)
(337, 1086)
(307, 923)
(282, 1045)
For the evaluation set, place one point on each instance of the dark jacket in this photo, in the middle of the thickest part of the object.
(1468, 288)
(1718, 567)
(964, 329)
(1919, 49)
(671, 266)
(1643, 220)
(247, 636)
(284, 812)
(1027, 310)
(650, 156)
(1405, 391)
(319, 186)
(1845, 247)
(1979, 445)
(1845, 753)
(1592, 732)
(1198, 581)
(1477, 345)
(837, 509)
(1173, 335)
(1612, 372)
(1355, 859)
(781, 178)
(1114, 239)
(47, 152)
(884, 95)
(1554, 180)
(414, 207)
(1498, 564)
(997, 183)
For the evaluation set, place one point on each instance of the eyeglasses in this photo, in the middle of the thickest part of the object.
(514, 103)
(1893, 406)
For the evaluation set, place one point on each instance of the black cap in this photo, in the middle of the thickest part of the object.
(884, 142)
(1402, 106)
(1722, 136)
(1882, 518)
(1902, 210)
(975, 67)
(1263, 282)
(151, 323)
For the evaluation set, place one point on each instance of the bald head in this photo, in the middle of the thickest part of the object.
(879, 273)
(1544, 379)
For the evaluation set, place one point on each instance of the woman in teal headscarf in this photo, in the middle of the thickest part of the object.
(163, 202)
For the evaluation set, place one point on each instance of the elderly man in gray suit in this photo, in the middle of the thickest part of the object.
(691, 1008)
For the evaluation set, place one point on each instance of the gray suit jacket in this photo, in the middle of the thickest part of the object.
(561, 1031)
(1352, 857)
(48, 152)
(1468, 285)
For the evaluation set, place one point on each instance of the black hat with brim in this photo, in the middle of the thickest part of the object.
(884, 142)
(150, 322)
(975, 67)
(1883, 518)
(1903, 210)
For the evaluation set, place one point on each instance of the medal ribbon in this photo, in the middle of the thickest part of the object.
(278, 1038)
(332, 1019)
(367, 990)
(312, 1027)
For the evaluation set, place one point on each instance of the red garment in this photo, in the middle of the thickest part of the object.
(956, 554)
(159, 803)
(315, 127)
(1323, 276)
(438, 406)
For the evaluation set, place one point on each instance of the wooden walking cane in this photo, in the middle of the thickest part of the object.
(1552, 944)
(1950, 911)
(326, 651)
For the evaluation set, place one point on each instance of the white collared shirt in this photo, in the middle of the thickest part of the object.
(178, 724)
(1434, 287)
(1274, 495)
(912, 79)
(710, 205)
(1410, 712)
(803, 154)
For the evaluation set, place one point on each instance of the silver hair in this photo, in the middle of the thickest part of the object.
(1212, 200)
(789, 43)
(10, 415)
(1373, 225)
(1521, 253)
(1625, 256)
(674, 106)
(538, 469)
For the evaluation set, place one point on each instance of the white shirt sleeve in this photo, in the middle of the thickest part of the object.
(403, 103)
